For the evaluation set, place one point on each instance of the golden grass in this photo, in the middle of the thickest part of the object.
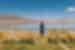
(42, 41)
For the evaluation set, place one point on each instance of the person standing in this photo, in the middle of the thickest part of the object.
(42, 28)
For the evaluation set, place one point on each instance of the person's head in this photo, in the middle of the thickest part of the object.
(42, 22)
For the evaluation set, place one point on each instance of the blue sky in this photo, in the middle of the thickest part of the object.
(39, 8)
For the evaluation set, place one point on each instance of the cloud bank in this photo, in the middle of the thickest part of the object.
(70, 9)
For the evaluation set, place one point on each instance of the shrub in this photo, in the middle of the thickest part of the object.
(63, 40)
(52, 41)
(26, 41)
(8, 41)
(5, 42)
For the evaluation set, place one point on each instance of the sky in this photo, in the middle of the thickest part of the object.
(39, 9)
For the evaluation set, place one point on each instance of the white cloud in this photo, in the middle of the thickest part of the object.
(70, 9)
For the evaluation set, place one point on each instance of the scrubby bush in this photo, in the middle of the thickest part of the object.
(8, 41)
(26, 41)
(51, 41)
(64, 41)
(5, 42)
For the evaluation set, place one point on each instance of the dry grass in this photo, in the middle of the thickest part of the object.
(42, 43)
